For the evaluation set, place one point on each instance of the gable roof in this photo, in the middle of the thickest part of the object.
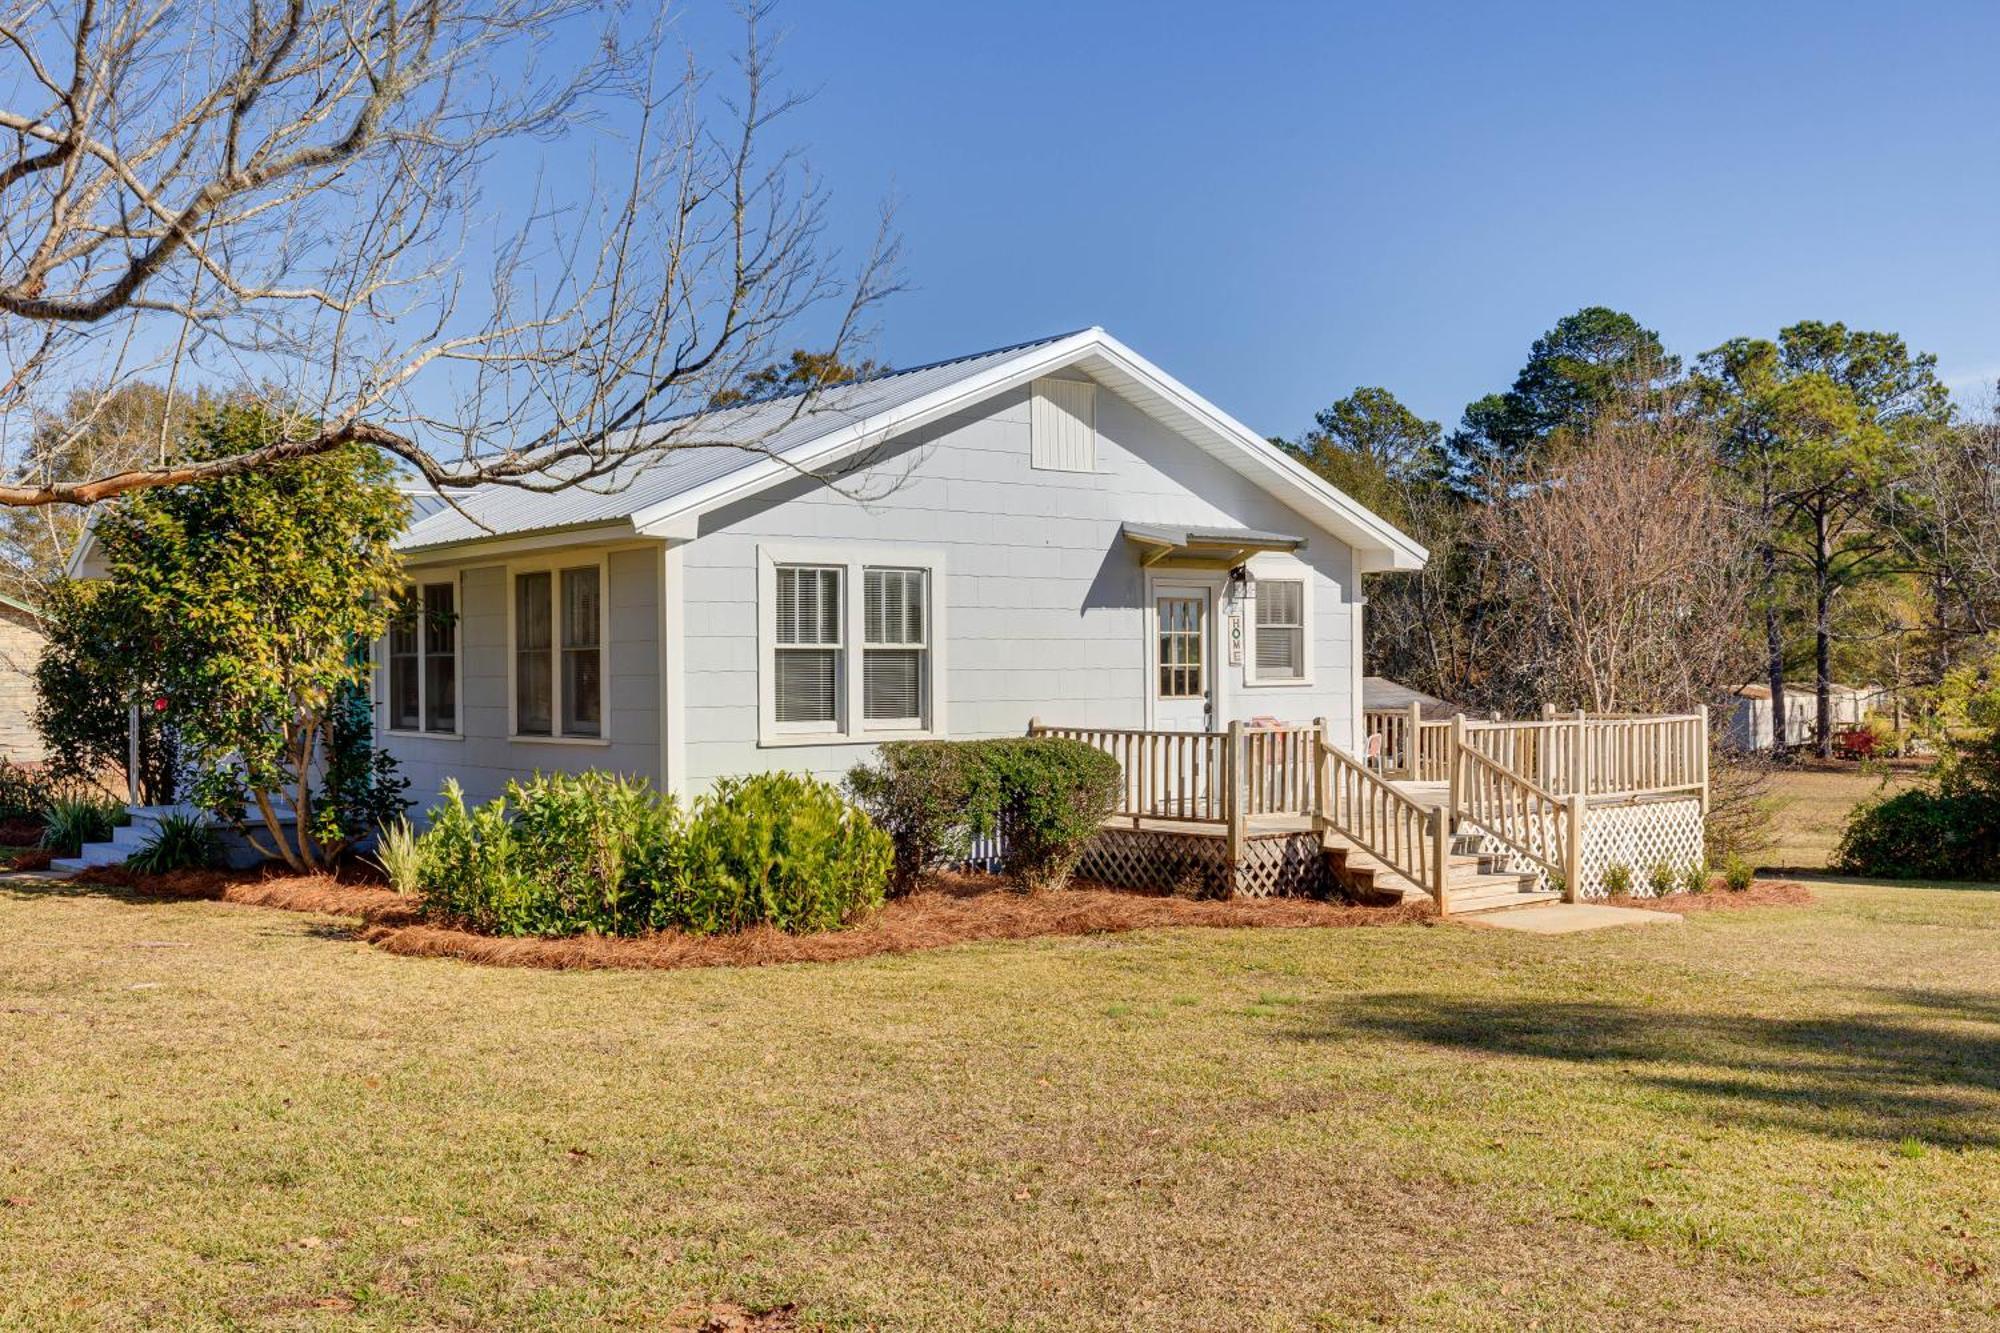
(737, 452)
(720, 457)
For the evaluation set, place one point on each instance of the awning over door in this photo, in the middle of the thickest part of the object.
(1173, 544)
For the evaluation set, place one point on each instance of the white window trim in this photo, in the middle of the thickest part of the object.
(553, 565)
(1281, 568)
(848, 727)
(382, 661)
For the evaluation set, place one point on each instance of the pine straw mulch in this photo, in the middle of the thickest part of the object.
(1761, 893)
(950, 909)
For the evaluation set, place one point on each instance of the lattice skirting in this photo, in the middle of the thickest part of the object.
(1637, 835)
(1273, 865)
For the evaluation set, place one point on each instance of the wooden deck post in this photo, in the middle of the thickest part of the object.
(1579, 758)
(1701, 753)
(1233, 801)
(1451, 769)
(1412, 766)
(1440, 861)
(1573, 849)
(1322, 778)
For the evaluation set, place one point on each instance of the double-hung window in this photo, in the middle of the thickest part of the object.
(559, 652)
(1281, 630)
(850, 642)
(423, 660)
(810, 646)
(895, 654)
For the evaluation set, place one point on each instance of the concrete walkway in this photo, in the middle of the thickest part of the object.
(1568, 918)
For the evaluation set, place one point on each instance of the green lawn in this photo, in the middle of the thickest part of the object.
(1809, 809)
(223, 1116)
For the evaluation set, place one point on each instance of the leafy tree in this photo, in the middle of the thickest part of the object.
(1591, 361)
(96, 663)
(1821, 428)
(1372, 447)
(252, 592)
(801, 372)
(97, 432)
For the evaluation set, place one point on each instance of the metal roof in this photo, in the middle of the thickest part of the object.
(694, 451)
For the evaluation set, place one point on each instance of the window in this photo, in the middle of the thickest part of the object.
(582, 657)
(1181, 635)
(895, 661)
(850, 642)
(809, 646)
(423, 660)
(559, 652)
(1281, 629)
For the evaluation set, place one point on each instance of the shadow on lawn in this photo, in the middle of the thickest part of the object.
(1875, 1076)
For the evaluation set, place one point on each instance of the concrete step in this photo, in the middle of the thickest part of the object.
(1499, 899)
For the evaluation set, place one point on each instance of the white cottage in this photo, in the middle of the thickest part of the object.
(1055, 530)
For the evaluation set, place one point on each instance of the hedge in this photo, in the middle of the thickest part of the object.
(1042, 797)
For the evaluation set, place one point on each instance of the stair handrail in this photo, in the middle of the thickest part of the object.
(1369, 811)
(1492, 796)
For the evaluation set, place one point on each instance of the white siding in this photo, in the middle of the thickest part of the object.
(484, 756)
(1046, 603)
(1063, 426)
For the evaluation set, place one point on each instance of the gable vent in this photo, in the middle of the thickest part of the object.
(1062, 426)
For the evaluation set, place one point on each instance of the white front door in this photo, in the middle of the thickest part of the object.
(1183, 675)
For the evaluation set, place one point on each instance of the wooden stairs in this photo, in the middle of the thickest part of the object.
(1475, 883)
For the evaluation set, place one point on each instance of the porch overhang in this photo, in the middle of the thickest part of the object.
(1182, 547)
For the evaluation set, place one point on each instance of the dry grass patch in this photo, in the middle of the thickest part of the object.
(1773, 1119)
(1811, 801)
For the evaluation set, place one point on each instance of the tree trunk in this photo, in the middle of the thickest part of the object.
(1774, 648)
(1822, 640)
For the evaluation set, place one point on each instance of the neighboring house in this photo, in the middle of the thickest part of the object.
(21, 641)
(1380, 694)
(1055, 530)
(1750, 726)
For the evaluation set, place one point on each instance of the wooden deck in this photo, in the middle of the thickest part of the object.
(1476, 815)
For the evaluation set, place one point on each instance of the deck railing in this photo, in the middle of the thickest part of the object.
(1529, 785)
(1172, 775)
(1528, 819)
(1596, 756)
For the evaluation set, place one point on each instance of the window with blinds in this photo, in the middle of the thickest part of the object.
(423, 660)
(895, 657)
(1281, 629)
(808, 646)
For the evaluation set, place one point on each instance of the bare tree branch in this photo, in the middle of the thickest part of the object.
(300, 195)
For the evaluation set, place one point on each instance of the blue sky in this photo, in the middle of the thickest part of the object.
(1278, 202)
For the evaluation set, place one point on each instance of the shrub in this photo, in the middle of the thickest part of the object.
(1737, 874)
(25, 793)
(400, 853)
(178, 842)
(1043, 797)
(775, 849)
(1660, 879)
(1618, 880)
(72, 820)
(565, 854)
(1694, 879)
(1925, 833)
(918, 793)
